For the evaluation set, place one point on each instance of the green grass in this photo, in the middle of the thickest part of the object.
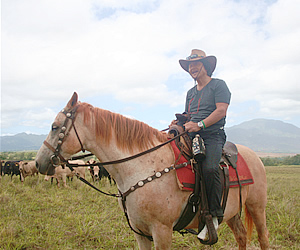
(38, 215)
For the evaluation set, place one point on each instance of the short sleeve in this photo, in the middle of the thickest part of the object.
(222, 93)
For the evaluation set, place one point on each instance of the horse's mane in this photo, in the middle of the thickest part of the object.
(130, 134)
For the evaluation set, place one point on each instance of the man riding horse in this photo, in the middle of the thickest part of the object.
(206, 106)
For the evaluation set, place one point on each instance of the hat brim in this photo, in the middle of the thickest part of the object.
(211, 61)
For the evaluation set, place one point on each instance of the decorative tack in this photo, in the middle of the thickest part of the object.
(59, 142)
(141, 183)
(149, 179)
(63, 129)
(132, 188)
(68, 114)
(166, 170)
(158, 174)
(61, 135)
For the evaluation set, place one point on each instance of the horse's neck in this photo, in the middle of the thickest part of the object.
(107, 152)
(128, 173)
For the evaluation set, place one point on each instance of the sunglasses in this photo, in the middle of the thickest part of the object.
(193, 57)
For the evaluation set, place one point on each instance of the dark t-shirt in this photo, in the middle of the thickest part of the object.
(200, 104)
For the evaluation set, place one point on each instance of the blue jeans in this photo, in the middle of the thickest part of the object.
(214, 142)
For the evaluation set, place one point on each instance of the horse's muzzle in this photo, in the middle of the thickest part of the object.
(45, 169)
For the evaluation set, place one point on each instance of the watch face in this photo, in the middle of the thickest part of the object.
(200, 125)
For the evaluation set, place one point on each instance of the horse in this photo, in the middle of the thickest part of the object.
(155, 207)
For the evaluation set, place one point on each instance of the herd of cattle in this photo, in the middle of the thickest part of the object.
(62, 173)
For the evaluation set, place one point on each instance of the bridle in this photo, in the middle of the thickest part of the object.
(57, 158)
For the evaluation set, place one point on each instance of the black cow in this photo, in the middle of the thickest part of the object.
(6, 168)
(11, 168)
(1, 167)
(103, 173)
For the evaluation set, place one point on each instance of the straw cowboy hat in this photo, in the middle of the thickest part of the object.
(209, 62)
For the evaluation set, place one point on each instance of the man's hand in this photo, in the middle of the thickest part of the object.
(191, 127)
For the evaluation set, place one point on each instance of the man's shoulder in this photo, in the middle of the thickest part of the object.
(192, 89)
(217, 81)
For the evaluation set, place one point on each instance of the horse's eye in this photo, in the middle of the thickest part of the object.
(54, 127)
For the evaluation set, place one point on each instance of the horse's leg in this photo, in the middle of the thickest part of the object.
(257, 197)
(162, 239)
(162, 236)
(258, 214)
(238, 230)
(143, 242)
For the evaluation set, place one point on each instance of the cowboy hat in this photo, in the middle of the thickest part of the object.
(209, 62)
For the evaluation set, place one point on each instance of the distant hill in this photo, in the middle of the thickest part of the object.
(265, 135)
(261, 135)
(21, 142)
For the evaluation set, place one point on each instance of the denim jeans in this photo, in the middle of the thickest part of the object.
(214, 142)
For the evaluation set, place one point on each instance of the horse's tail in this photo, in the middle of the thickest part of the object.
(248, 223)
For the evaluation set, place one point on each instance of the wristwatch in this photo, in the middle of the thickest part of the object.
(200, 125)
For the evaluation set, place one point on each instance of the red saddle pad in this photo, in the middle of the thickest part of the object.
(186, 176)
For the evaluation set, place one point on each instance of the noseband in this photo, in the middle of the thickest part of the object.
(56, 158)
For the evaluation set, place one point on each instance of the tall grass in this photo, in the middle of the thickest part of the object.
(38, 215)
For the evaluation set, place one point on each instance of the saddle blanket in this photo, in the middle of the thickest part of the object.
(186, 176)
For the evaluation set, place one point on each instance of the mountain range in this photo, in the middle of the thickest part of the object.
(21, 142)
(261, 135)
(266, 135)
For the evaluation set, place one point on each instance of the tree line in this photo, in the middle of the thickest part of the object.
(27, 156)
(280, 161)
(268, 161)
(18, 156)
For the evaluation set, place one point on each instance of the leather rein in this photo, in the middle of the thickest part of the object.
(56, 159)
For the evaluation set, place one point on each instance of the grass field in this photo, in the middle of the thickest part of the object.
(38, 215)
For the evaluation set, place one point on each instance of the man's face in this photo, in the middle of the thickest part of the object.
(196, 69)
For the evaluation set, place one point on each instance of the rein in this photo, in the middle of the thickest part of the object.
(139, 184)
(123, 159)
(56, 158)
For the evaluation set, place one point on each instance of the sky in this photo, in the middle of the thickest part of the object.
(123, 56)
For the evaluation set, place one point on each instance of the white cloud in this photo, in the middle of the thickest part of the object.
(130, 50)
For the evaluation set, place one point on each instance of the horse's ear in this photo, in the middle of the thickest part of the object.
(73, 101)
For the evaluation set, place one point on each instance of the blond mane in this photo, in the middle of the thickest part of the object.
(130, 134)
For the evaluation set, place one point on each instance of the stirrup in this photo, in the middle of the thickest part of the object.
(212, 233)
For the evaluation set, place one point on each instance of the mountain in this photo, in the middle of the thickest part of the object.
(261, 135)
(265, 135)
(21, 142)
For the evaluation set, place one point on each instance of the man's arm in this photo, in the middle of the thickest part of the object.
(214, 117)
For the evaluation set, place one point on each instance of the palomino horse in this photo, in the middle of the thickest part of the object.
(155, 207)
